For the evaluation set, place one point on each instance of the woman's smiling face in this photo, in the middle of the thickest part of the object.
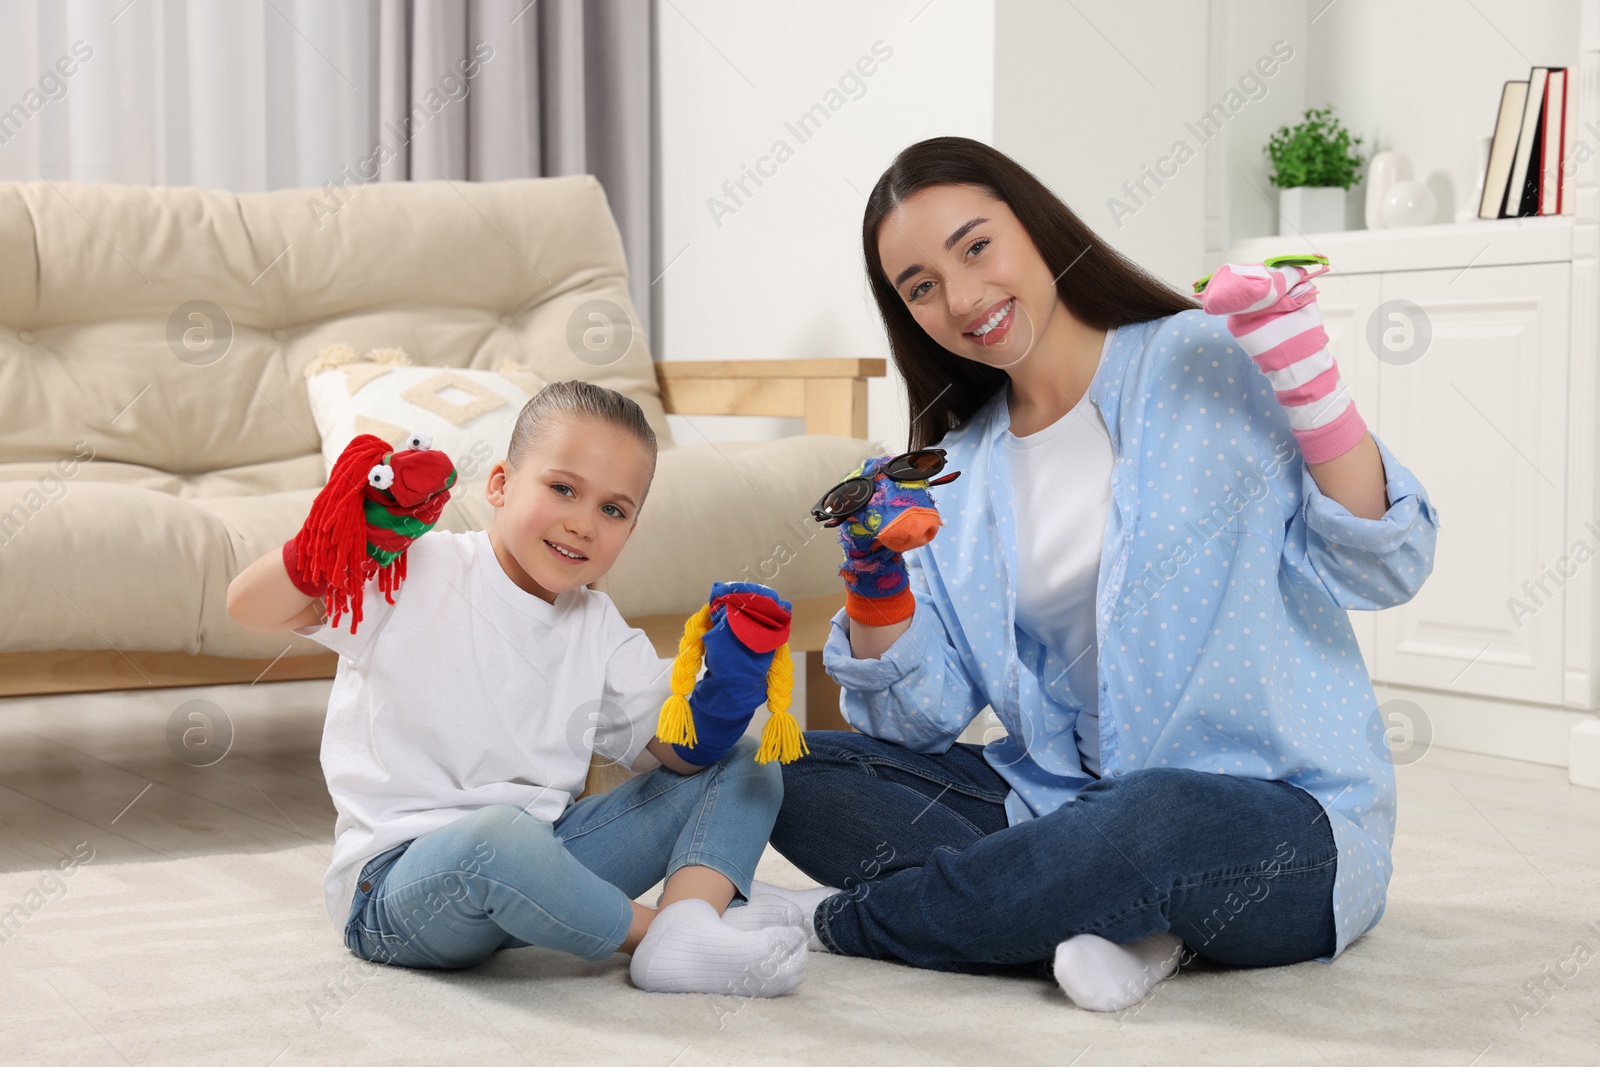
(969, 273)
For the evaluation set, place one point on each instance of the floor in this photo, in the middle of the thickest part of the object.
(191, 930)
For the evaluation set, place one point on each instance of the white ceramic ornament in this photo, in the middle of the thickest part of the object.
(1409, 203)
(1383, 172)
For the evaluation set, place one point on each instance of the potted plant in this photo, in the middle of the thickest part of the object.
(1313, 165)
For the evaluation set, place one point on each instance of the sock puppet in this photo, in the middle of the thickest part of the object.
(742, 633)
(1272, 313)
(377, 501)
(742, 637)
(883, 509)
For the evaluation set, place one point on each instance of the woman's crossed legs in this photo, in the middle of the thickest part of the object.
(932, 875)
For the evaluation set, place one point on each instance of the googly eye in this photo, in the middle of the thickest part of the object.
(381, 476)
(420, 441)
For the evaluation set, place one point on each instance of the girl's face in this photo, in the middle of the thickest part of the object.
(564, 513)
(969, 272)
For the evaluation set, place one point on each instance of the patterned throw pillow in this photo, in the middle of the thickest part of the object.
(469, 413)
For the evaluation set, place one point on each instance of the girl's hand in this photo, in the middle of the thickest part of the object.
(748, 623)
(377, 501)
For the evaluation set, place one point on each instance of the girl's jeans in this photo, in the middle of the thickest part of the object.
(1241, 869)
(499, 878)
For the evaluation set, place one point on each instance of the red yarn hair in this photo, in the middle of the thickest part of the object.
(332, 545)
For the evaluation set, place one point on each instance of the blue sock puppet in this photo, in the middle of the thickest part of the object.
(883, 509)
(742, 635)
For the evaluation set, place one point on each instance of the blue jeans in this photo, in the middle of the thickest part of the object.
(500, 878)
(1241, 869)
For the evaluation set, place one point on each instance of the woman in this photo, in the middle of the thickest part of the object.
(1144, 573)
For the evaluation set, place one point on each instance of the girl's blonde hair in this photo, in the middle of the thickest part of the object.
(578, 399)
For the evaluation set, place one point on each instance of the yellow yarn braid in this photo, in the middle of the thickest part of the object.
(781, 738)
(676, 724)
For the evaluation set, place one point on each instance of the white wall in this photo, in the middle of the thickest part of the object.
(1088, 95)
(781, 276)
(1422, 77)
(1248, 32)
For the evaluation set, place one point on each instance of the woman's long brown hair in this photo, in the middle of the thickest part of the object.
(1098, 284)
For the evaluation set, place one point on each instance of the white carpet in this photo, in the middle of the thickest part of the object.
(230, 959)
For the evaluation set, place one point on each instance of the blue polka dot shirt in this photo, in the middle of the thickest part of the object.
(1225, 575)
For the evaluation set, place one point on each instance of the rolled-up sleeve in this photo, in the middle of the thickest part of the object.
(917, 694)
(1364, 564)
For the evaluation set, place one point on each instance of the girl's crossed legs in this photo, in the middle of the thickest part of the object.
(500, 878)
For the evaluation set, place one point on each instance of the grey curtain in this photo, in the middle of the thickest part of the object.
(483, 90)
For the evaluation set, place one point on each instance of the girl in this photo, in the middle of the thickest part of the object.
(1144, 573)
(462, 720)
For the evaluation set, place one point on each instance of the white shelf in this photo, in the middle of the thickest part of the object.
(1484, 243)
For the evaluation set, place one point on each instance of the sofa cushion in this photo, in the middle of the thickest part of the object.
(168, 327)
(467, 414)
(297, 472)
(105, 564)
(734, 512)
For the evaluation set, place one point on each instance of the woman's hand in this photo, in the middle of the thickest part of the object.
(899, 517)
(871, 642)
(1271, 311)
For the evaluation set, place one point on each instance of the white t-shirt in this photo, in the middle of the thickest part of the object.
(1061, 491)
(467, 692)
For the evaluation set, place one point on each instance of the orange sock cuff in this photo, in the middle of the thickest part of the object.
(880, 611)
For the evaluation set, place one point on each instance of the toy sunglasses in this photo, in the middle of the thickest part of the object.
(1299, 260)
(850, 495)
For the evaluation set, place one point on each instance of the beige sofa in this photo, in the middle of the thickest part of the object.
(137, 477)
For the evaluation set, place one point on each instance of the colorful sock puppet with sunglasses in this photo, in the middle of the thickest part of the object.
(377, 501)
(882, 510)
(1272, 313)
(742, 635)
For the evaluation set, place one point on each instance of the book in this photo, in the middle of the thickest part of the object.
(1528, 202)
(1502, 150)
(1522, 191)
(1553, 128)
(1569, 144)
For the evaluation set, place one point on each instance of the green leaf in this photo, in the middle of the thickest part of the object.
(1318, 151)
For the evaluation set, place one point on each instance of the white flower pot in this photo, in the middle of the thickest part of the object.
(1310, 209)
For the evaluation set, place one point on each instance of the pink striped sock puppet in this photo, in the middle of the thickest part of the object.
(1272, 313)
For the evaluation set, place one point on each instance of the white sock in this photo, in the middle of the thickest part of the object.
(807, 900)
(1101, 975)
(764, 910)
(689, 949)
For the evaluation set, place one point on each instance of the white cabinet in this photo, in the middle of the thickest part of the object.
(1495, 418)
(1481, 418)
